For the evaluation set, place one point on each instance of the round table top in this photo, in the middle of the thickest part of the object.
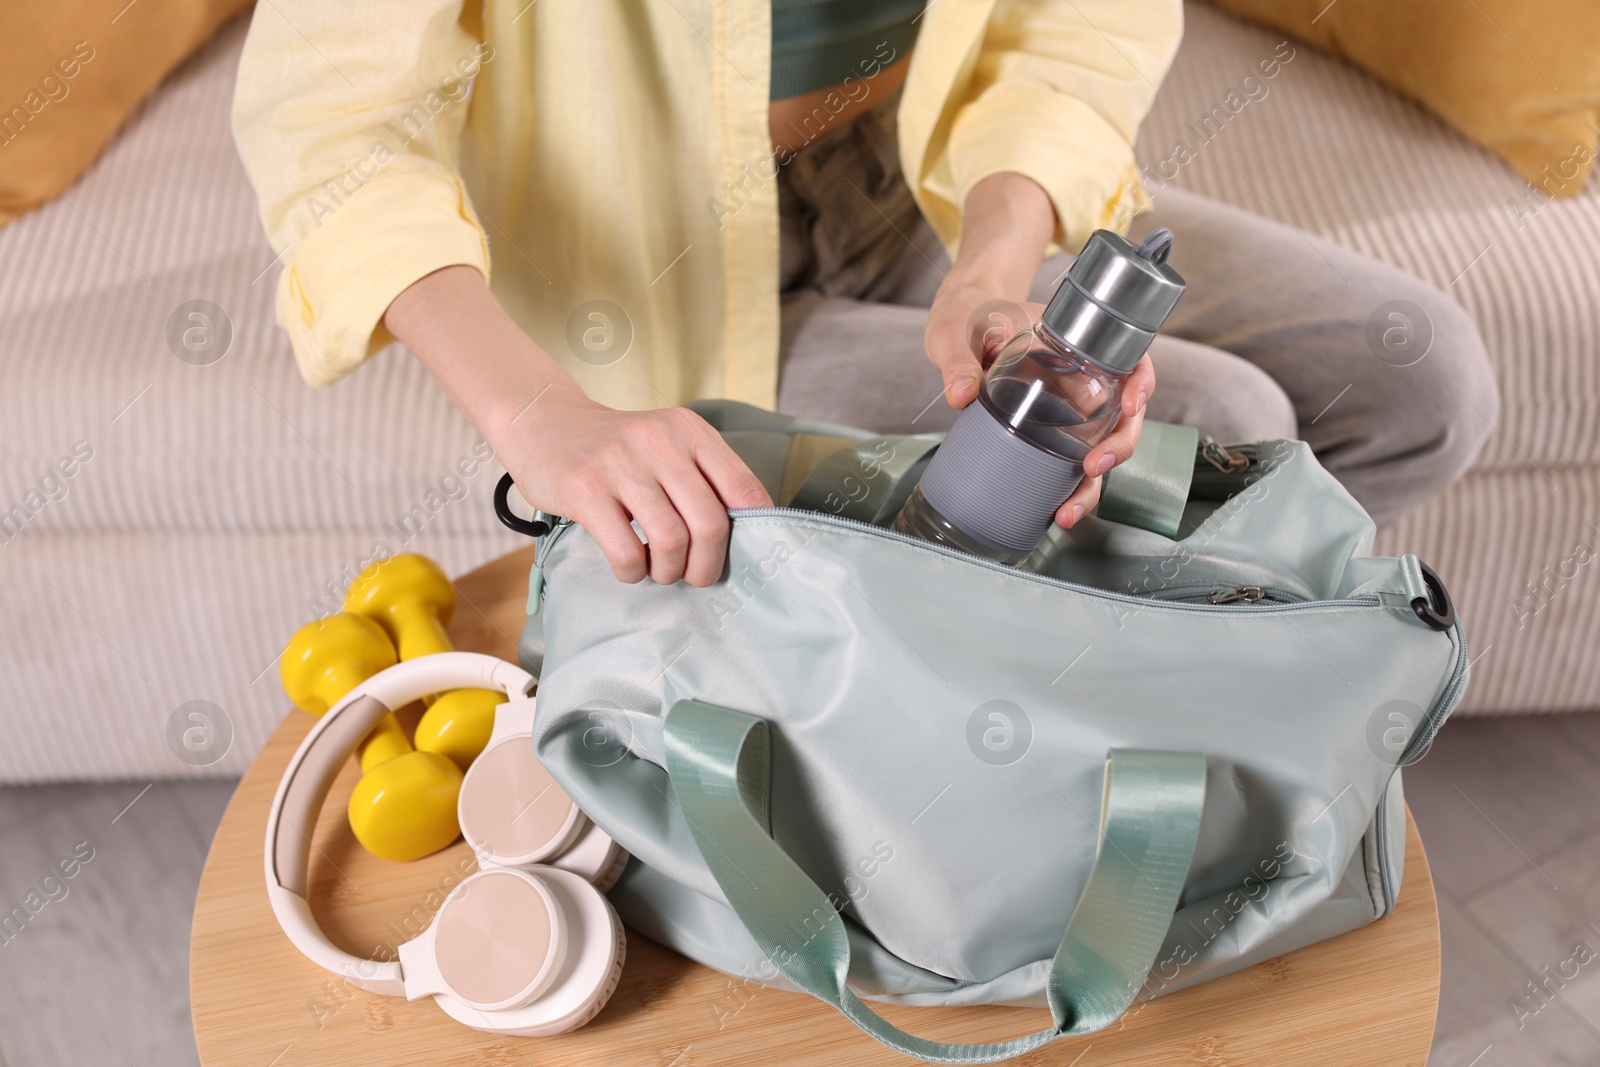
(1368, 997)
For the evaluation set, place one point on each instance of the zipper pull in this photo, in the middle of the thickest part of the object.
(1248, 594)
(540, 553)
(1220, 458)
(535, 589)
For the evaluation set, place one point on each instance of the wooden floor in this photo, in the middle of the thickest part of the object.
(1509, 810)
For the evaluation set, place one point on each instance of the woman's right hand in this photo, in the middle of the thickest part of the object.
(667, 469)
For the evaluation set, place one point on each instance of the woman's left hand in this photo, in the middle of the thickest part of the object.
(1136, 390)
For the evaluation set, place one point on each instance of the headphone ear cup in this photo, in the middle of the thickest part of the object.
(590, 974)
(499, 941)
(511, 810)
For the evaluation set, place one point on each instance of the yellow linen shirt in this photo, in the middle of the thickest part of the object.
(619, 151)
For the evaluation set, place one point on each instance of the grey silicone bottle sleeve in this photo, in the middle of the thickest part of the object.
(1011, 513)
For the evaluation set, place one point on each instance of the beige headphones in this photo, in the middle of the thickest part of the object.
(526, 946)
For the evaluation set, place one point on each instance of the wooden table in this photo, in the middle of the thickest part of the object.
(1368, 997)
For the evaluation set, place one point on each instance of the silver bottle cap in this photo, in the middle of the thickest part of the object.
(1115, 297)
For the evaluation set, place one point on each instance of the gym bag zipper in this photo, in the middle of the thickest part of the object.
(1270, 601)
(1200, 597)
(1227, 594)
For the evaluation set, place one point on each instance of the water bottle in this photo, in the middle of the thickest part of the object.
(1016, 453)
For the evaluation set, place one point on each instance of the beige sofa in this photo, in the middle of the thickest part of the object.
(1335, 153)
(215, 504)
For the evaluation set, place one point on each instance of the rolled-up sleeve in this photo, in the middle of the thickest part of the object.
(1057, 93)
(348, 119)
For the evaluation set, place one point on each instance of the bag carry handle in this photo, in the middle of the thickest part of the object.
(868, 480)
(1150, 487)
(719, 763)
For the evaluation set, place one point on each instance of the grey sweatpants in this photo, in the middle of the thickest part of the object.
(1280, 334)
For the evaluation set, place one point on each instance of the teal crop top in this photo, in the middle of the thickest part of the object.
(818, 43)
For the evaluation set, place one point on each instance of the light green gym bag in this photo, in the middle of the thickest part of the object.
(870, 768)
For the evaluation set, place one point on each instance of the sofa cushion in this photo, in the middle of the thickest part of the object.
(70, 73)
(1521, 79)
(1333, 152)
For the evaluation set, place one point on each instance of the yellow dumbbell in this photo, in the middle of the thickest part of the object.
(412, 599)
(458, 724)
(404, 806)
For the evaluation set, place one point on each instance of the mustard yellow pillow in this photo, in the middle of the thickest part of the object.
(72, 70)
(1520, 77)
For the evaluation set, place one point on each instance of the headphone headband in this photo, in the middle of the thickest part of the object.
(316, 763)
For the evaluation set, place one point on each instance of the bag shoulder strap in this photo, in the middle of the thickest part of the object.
(719, 765)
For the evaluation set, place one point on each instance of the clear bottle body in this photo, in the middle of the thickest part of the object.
(1044, 394)
(922, 520)
(1051, 396)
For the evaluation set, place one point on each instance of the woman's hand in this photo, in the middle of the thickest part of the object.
(1006, 224)
(667, 469)
(1136, 390)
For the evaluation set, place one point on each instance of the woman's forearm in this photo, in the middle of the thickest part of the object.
(1006, 224)
(492, 370)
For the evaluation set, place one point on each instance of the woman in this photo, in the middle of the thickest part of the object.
(731, 198)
